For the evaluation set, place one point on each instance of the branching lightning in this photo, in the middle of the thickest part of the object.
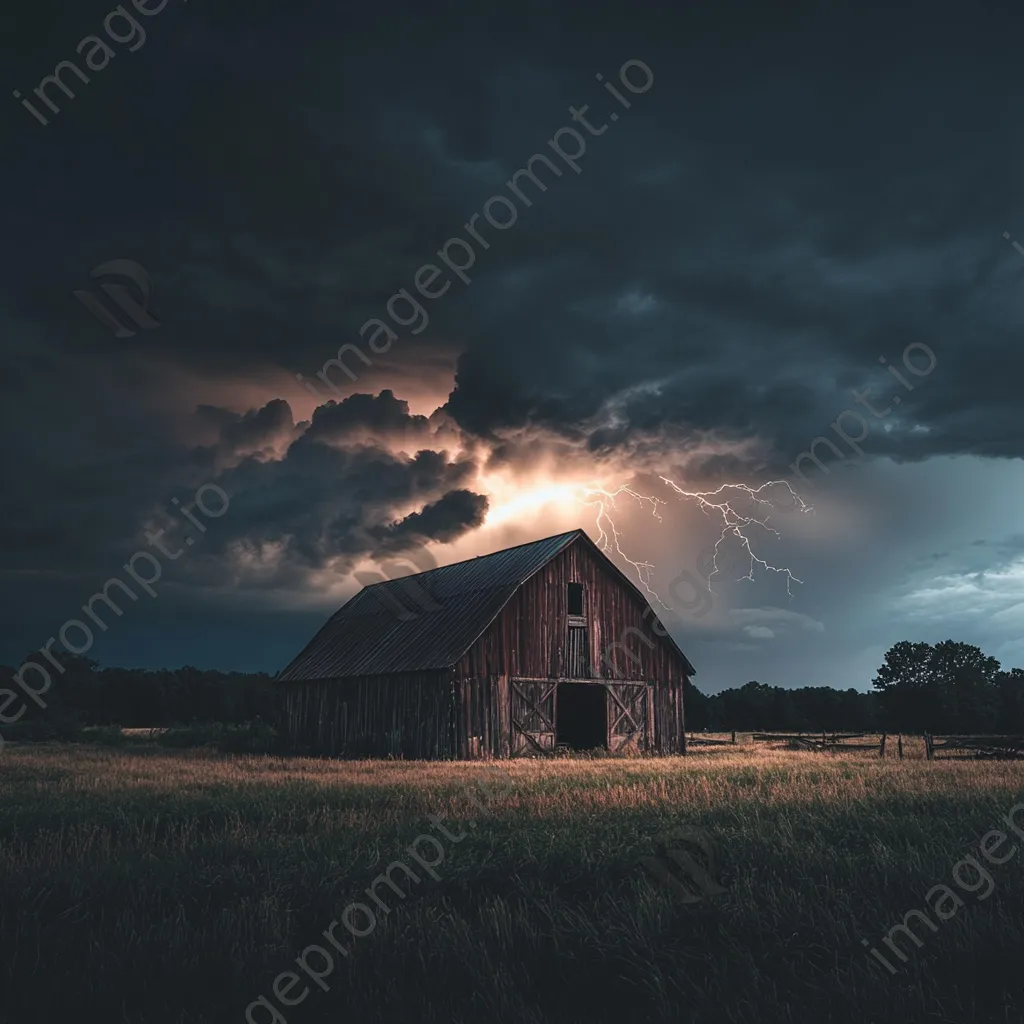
(608, 534)
(712, 503)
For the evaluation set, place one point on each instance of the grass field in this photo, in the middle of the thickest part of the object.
(144, 885)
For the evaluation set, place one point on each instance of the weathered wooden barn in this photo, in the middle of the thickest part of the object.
(503, 655)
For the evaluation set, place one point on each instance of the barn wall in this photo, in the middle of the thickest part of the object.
(482, 717)
(409, 715)
(531, 639)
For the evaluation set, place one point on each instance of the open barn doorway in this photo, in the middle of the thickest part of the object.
(582, 719)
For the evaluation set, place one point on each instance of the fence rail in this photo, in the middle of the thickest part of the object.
(825, 741)
(982, 747)
(697, 740)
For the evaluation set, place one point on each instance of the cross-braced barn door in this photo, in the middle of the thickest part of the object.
(533, 716)
(627, 716)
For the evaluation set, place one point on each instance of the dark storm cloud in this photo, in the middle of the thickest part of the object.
(323, 503)
(257, 432)
(748, 244)
(802, 191)
(380, 415)
(259, 426)
(298, 505)
(444, 520)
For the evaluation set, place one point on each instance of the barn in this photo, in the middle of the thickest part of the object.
(543, 645)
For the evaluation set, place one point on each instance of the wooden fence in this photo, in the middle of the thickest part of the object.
(982, 747)
(827, 742)
(697, 740)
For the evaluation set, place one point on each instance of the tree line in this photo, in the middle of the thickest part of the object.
(949, 688)
(87, 694)
(758, 707)
(946, 688)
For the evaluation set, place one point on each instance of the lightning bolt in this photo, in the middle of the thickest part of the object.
(716, 503)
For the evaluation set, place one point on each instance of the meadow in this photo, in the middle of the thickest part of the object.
(147, 885)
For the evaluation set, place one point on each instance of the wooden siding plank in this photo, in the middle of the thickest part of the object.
(406, 715)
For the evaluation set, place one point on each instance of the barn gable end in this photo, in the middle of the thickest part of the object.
(507, 654)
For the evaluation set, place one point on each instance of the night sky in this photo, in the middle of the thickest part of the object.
(798, 203)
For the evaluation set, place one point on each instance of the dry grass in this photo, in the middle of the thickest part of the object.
(144, 886)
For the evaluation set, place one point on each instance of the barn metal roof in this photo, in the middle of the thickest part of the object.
(370, 635)
(427, 620)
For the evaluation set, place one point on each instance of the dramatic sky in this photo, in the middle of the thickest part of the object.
(802, 192)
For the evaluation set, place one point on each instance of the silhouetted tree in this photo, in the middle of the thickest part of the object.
(907, 685)
(1009, 701)
(950, 687)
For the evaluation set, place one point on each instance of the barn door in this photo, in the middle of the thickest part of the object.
(627, 716)
(533, 716)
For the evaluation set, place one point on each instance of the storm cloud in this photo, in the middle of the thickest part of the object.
(802, 203)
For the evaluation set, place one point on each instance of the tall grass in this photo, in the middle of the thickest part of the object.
(147, 885)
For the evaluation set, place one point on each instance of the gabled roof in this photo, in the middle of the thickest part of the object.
(428, 620)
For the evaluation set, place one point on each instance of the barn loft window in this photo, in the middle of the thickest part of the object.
(578, 654)
(575, 598)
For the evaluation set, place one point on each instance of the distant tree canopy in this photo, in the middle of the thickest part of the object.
(759, 707)
(946, 688)
(949, 688)
(144, 698)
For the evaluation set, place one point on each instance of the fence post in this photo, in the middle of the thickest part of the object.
(899, 745)
(734, 736)
(881, 746)
(928, 746)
